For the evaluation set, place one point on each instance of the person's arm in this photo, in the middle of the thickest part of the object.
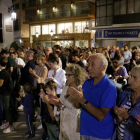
(108, 100)
(51, 111)
(124, 73)
(1, 82)
(77, 105)
(11, 70)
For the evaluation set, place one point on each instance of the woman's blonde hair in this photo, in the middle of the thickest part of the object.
(41, 57)
(80, 74)
(136, 69)
(106, 53)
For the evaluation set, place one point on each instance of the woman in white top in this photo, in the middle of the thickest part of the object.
(69, 116)
(56, 73)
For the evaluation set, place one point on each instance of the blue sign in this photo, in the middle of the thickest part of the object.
(120, 44)
(122, 33)
(98, 34)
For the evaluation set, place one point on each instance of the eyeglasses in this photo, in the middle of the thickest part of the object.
(69, 75)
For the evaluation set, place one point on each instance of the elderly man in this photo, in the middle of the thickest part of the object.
(97, 99)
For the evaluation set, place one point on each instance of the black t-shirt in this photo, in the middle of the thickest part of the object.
(12, 63)
(4, 75)
(80, 63)
(45, 114)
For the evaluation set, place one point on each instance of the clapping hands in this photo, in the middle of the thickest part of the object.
(121, 112)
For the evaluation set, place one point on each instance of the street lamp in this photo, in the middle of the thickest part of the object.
(51, 33)
(13, 14)
(37, 34)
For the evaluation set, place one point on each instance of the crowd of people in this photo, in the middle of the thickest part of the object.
(77, 93)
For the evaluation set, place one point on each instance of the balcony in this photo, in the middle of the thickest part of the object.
(30, 18)
(45, 16)
(30, 4)
(79, 12)
(62, 14)
(45, 1)
(60, 0)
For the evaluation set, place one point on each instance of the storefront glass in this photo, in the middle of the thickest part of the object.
(46, 29)
(79, 27)
(35, 29)
(64, 28)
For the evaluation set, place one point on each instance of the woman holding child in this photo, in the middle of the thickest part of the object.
(69, 114)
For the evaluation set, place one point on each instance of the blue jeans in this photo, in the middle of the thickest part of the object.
(84, 137)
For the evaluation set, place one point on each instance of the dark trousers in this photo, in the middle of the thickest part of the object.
(127, 66)
(29, 123)
(1, 112)
(7, 109)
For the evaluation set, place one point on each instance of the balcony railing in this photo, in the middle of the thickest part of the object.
(62, 14)
(45, 16)
(46, 2)
(84, 11)
(30, 4)
(60, 0)
(30, 18)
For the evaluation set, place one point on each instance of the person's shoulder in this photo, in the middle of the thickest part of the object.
(109, 84)
(88, 81)
(61, 70)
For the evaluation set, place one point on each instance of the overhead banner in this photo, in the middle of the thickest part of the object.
(129, 33)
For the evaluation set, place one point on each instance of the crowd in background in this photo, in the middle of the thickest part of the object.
(77, 93)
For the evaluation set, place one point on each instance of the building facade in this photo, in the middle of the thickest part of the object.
(21, 31)
(6, 24)
(117, 22)
(63, 22)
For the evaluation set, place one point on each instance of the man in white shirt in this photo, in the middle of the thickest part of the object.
(19, 61)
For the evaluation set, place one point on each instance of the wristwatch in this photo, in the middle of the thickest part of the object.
(84, 104)
(62, 107)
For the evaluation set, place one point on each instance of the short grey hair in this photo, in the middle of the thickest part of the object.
(102, 57)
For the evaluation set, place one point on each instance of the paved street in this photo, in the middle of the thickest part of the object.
(20, 128)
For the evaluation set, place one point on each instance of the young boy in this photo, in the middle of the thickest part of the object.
(27, 102)
(48, 111)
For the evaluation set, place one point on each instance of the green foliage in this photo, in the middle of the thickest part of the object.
(14, 45)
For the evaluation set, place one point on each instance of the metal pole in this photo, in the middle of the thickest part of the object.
(51, 41)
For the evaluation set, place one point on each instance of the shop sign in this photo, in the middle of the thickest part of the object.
(9, 28)
(98, 34)
(122, 33)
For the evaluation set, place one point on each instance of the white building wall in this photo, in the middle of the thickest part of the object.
(8, 37)
(110, 42)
